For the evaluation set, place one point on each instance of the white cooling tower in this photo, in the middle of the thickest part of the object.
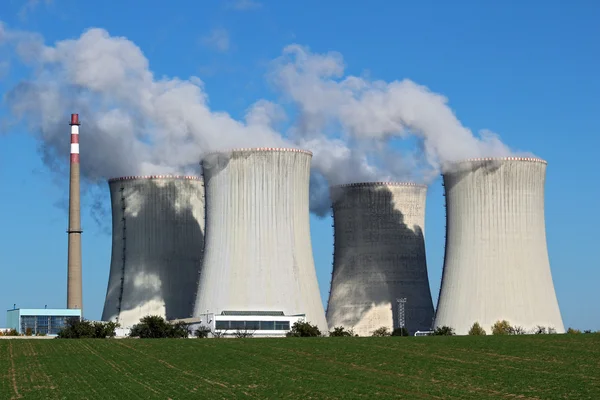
(496, 263)
(157, 247)
(379, 258)
(258, 253)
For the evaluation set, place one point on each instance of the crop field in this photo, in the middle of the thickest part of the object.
(488, 367)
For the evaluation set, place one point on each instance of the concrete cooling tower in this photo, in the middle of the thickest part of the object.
(496, 261)
(258, 253)
(157, 247)
(379, 258)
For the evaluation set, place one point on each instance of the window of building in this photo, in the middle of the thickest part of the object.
(57, 322)
(267, 325)
(237, 325)
(28, 322)
(253, 325)
(282, 325)
(222, 325)
(42, 324)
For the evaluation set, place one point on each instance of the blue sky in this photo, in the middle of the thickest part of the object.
(526, 71)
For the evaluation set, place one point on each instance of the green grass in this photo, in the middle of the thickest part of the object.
(520, 367)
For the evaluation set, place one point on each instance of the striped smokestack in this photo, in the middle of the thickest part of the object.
(74, 286)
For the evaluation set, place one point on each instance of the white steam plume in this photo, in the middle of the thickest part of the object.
(137, 124)
(375, 111)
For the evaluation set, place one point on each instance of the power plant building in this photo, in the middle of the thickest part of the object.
(157, 247)
(496, 264)
(258, 254)
(44, 321)
(379, 269)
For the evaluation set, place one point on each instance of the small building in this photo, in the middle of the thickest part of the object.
(255, 323)
(48, 321)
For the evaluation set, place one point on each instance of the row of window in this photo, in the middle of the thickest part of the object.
(254, 325)
(49, 325)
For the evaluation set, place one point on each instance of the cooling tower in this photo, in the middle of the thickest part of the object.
(496, 261)
(258, 253)
(157, 247)
(379, 258)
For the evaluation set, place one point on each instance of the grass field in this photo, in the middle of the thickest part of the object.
(520, 367)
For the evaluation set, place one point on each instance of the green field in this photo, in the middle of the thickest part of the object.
(520, 367)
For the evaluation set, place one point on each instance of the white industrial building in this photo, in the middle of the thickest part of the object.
(496, 263)
(254, 323)
(379, 270)
(258, 253)
(157, 247)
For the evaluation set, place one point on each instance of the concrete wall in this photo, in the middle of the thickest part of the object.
(258, 254)
(496, 261)
(157, 247)
(379, 256)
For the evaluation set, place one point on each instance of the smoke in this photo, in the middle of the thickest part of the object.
(134, 123)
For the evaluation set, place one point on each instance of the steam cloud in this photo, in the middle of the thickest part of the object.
(138, 124)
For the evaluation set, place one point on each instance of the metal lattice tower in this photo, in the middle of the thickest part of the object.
(401, 315)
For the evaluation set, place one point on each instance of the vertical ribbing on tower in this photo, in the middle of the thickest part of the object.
(74, 283)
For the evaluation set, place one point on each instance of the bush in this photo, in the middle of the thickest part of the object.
(502, 328)
(155, 327)
(518, 330)
(400, 332)
(76, 328)
(243, 333)
(340, 331)
(202, 332)
(381, 332)
(219, 334)
(477, 330)
(303, 329)
(589, 331)
(82, 329)
(542, 330)
(103, 330)
(28, 332)
(443, 331)
(11, 332)
(572, 331)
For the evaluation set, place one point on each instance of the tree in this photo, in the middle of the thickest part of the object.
(400, 332)
(477, 330)
(443, 331)
(381, 332)
(155, 327)
(28, 332)
(340, 331)
(303, 329)
(572, 331)
(501, 328)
